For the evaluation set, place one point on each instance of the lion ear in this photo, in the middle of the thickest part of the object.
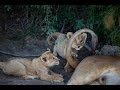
(48, 49)
(43, 58)
(69, 35)
(84, 36)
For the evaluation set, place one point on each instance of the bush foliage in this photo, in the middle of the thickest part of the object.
(18, 21)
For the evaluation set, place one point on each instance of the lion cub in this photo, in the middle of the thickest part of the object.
(60, 42)
(37, 68)
(104, 69)
(73, 62)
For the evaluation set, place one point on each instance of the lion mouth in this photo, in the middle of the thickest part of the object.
(79, 48)
(57, 63)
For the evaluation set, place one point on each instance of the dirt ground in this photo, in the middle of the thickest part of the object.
(12, 80)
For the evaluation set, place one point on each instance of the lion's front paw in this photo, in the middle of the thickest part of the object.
(58, 75)
(68, 69)
(26, 77)
(58, 79)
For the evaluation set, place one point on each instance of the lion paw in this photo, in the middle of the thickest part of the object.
(68, 69)
(58, 75)
(58, 79)
(28, 77)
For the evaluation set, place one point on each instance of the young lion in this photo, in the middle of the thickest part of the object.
(71, 60)
(37, 68)
(61, 42)
(104, 68)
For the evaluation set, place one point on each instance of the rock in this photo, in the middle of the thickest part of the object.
(109, 50)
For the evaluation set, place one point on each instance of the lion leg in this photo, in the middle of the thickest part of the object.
(17, 69)
(80, 80)
(29, 77)
(83, 76)
(47, 77)
(14, 68)
(68, 68)
(51, 78)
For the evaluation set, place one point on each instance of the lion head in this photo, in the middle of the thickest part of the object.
(49, 58)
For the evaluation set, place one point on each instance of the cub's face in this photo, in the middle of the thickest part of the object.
(79, 41)
(49, 59)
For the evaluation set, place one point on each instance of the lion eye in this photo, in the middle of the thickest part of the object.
(81, 41)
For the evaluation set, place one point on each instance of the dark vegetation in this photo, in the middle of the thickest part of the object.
(19, 21)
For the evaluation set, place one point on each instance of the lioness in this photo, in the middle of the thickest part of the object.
(104, 68)
(60, 42)
(37, 68)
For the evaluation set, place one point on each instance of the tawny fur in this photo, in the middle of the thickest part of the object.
(61, 42)
(52, 38)
(37, 68)
(104, 68)
(71, 60)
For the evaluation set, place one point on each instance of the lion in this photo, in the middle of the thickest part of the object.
(104, 70)
(73, 62)
(60, 42)
(31, 69)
